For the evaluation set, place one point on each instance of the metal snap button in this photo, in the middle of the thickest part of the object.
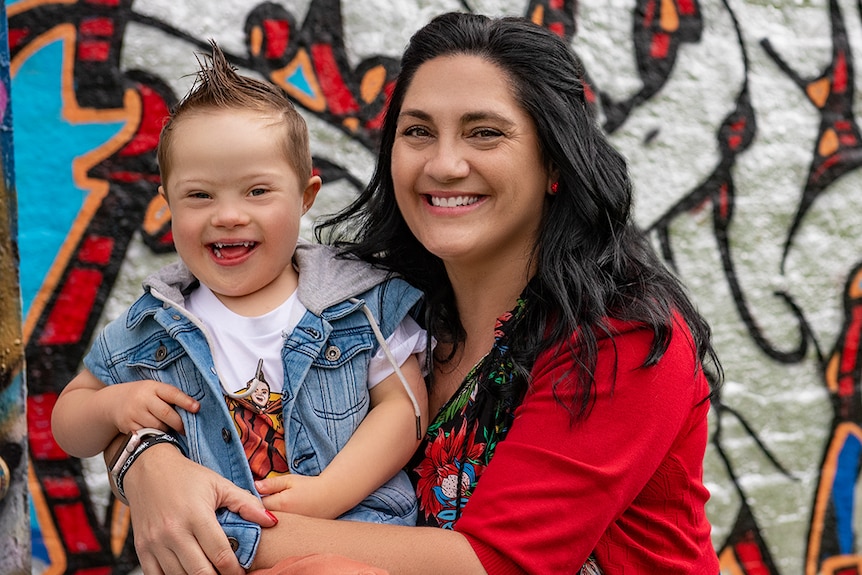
(161, 352)
(225, 434)
(234, 544)
(332, 353)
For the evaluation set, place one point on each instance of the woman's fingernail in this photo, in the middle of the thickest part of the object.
(271, 516)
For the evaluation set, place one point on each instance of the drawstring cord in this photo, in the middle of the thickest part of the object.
(382, 341)
(374, 327)
(199, 324)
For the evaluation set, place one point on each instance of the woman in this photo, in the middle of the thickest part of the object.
(567, 380)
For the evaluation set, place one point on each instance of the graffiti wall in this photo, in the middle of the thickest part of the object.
(738, 120)
(14, 515)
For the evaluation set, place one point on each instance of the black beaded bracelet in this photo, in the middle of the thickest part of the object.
(145, 444)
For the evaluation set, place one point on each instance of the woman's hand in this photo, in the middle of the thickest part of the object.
(173, 502)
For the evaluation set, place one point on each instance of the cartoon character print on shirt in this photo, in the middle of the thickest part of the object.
(260, 424)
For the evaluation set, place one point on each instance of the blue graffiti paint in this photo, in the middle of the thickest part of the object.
(299, 80)
(46, 144)
(843, 493)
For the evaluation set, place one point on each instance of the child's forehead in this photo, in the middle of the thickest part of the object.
(227, 123)
(262, 116)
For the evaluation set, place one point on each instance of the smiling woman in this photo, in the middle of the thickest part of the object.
(569, 378)
(467, 168)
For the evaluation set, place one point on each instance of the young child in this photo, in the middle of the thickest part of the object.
(290, 372)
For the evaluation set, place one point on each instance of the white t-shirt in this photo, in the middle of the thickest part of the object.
(240, 342)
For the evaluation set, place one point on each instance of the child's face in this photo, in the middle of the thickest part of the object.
(235, 206)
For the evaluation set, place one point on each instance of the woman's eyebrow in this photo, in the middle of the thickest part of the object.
(483, 116)
(415, 113)
(466, 118)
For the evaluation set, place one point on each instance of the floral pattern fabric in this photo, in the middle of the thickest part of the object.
(461, 440)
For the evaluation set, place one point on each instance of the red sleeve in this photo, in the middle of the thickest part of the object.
(554, 489)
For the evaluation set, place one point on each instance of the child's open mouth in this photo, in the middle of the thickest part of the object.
(224, 251)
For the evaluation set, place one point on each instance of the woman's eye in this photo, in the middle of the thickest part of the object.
(487, 133)
(417, 132)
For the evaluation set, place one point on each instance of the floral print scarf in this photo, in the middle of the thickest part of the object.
(461, 440)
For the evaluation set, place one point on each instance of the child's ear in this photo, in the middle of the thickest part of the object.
(310, 192)
(163, 193)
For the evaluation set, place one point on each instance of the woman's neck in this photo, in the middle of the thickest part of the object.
(484, 294)
(481, 297)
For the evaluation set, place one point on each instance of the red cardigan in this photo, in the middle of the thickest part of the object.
(626, 483)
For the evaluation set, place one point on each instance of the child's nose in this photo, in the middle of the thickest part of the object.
(229, 214)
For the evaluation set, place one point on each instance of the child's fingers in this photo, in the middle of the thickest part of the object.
(176, 397)
(166, 414)
(272, 485)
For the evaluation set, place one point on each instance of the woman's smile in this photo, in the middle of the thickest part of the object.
(467, 167)
(452, 201)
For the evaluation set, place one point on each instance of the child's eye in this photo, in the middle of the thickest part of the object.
(199, 195)
(258, 192)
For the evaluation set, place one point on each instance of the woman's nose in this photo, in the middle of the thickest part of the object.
(447, 162)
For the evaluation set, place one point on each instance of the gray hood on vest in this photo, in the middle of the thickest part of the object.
(323, 280)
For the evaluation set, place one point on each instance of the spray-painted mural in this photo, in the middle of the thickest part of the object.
(737, 118)
(14, 523)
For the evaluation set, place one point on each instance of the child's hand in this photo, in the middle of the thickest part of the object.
(146, 403)
(301, 494)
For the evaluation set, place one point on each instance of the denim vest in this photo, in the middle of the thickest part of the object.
(325, 395)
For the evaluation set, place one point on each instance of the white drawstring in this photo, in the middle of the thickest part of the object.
(382, 341)
(374, 327)
(191, 317)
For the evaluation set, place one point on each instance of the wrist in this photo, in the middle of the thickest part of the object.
(136, 444)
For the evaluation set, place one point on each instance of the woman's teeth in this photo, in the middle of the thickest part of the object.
(453, 202)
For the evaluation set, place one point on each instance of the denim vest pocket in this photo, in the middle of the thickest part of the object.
(159, 358)
(337, 383)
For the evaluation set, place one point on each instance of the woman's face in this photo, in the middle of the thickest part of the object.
(466, 164)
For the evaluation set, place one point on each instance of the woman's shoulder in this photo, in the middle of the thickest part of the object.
(627, 344)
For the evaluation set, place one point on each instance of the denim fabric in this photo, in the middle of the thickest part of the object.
(325, 392)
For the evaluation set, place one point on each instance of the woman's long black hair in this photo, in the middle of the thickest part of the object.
(593, 263)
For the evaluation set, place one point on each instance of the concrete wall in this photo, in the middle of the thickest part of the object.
(737, 118)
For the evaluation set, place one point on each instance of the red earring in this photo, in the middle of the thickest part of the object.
(554, 187)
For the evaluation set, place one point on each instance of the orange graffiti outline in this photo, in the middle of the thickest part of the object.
(50, 536)
(130, 113)
(25, 5)
(830, 464)
(302, 61)
(729, 563)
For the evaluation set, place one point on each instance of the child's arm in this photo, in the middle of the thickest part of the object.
(89, 414)
(383, 443)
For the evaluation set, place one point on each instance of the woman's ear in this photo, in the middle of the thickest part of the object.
(553, 180)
